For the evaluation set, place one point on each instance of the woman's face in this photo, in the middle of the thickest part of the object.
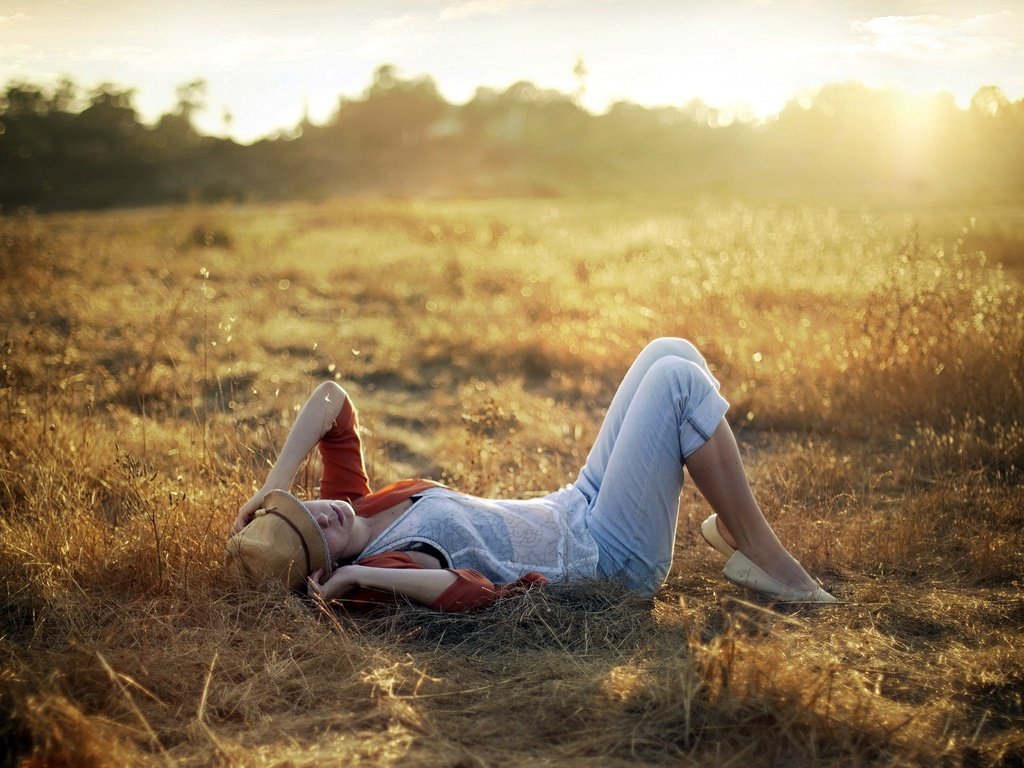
(336, 519)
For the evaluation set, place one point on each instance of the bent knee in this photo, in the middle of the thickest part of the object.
(680, 373)
(671, 346)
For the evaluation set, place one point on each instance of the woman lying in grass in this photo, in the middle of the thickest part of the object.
(457, 552)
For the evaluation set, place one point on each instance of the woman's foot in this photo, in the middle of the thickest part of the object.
(780, 565)
(773, 562)
(740, 570)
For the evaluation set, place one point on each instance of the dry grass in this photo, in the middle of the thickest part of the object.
(152, 361)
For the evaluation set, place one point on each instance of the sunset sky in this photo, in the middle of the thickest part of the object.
(267, 61)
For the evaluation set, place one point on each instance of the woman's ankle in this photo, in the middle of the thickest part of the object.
(782, 566)
(725, 533)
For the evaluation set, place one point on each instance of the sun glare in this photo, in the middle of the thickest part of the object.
(914, 135)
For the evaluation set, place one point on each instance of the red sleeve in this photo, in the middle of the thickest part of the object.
(390, 495)
(344, 475)
(471, 590)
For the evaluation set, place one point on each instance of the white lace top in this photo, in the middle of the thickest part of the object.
(501, 539)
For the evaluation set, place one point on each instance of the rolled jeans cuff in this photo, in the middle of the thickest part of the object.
(701, 422)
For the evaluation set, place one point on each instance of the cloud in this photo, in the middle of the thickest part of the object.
(928, 36)
(389, 36)
(19, 16)
(470, 8)
(115, 54)
(12, 58)
(908, 36)
(246, 49)
(394, 24)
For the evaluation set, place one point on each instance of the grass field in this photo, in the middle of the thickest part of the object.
(153, 360)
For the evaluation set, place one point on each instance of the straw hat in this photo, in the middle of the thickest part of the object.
(282, 543)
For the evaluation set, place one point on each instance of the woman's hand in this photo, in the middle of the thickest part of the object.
(341, 582)
(247, 510)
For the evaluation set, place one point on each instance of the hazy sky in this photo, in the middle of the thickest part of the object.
(265, 60)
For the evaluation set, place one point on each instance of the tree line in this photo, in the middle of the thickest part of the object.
(61, 150)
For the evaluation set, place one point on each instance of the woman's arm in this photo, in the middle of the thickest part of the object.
(313, 422)
(424, 585)
(466, 589)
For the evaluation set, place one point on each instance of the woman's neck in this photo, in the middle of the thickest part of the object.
(372, 527)
(377, 523)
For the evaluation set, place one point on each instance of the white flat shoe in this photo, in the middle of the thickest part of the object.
(709, 530)
(743, 572)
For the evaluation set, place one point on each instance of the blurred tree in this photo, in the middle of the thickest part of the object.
(989, 101)
(22, 99)
(385, 137)
(191, 98)
(65, 96)
(109, 124)
(401, 136)
(995, 138)
(579, 71)
(176, 128)
(394, 114)
(24, 144)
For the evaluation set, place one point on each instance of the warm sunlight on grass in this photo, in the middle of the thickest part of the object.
(153, 360)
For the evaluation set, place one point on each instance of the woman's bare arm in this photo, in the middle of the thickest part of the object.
(313, 422)
(424, 585)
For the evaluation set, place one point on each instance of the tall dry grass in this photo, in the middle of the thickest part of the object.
(153, 360)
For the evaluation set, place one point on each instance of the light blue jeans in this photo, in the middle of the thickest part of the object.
(666, 407)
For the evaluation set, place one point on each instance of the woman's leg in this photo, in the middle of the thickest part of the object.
(634, 474)
(717, 471)
(667, 412)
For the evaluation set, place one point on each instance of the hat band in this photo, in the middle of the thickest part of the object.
(302, 541)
